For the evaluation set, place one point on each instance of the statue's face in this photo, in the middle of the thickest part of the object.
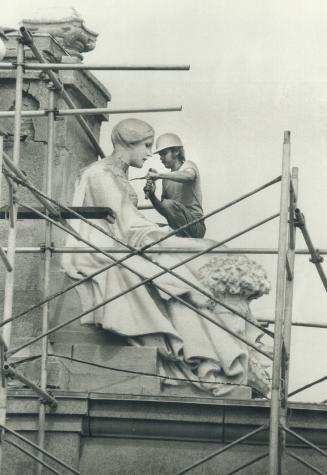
(140, 152)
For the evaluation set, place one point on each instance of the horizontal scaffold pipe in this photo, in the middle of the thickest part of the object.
(90, 212)
(159, 250)
(295, 324)
(98, 67)
(91, 111)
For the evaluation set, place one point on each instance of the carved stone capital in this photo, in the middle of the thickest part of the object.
(70, 32)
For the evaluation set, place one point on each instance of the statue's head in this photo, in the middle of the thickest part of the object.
(134, 138)
(129, 132)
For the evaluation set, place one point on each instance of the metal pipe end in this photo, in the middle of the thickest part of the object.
(27, 37)
(287, 137)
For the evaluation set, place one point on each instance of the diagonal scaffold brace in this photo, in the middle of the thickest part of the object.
(304, 462)
(39, 449)
(316, 258)
(223, 449)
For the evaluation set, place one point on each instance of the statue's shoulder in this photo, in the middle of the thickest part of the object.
(98, 167)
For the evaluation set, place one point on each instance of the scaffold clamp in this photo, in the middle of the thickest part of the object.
(299, 221)
(316, 258)
(44, 248)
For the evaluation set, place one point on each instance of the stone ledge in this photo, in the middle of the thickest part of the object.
(157, 417)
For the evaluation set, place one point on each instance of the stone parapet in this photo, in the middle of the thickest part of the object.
(147, 435)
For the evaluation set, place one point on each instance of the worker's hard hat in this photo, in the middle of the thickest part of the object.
(167, 141)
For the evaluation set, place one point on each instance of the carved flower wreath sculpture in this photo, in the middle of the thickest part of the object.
(234, 275)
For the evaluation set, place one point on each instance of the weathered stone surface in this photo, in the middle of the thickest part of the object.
(71, 32)
(236, 392)
(64, 446)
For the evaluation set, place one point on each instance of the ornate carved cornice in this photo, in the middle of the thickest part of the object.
(70, 32)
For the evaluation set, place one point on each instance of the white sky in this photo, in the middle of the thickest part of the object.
(257, 68)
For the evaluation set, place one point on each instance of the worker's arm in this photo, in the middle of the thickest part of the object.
(181, 176)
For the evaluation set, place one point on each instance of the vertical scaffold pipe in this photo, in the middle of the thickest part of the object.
(274, 438)
(288, 306)
(1, 155)
(3, 395)
(9, 285)
(46, 279)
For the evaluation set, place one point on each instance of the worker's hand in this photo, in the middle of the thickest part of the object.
(150, 187)
(152, 174)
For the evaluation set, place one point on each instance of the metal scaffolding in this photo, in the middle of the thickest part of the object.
(55, 214)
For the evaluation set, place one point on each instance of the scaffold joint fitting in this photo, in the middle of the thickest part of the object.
(316, 258)
(55, 111)
(299, 219)
(44, 248)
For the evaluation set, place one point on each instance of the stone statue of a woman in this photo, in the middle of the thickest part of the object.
(189, 346)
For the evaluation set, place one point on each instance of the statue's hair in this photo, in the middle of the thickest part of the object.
(131, 131)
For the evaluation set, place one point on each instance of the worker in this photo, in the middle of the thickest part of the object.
(181, 199)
